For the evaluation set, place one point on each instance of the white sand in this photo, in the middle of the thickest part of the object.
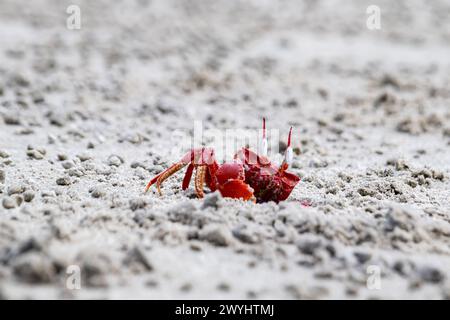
(371, 111)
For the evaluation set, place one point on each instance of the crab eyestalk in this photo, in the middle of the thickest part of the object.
(288, 155)
(263, 142)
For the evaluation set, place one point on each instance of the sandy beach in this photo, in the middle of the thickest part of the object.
(89, 115)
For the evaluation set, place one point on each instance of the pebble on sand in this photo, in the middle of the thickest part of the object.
(63, 181)
(245, 235)
(15, 189)
(97, 192)
(12, 120)
(67, 164)
(34, 154)
(4, 154)
(431, 275)
(138, 257)
(218, 235)
(137, 203)
(9, 203)
(212, 200)
(114, 160)
(84, 157)
(28, 196)
(309, 246)
(34, 268)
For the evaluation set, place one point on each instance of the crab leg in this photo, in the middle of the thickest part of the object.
(159, 179)
(187, 176)
(200, 180)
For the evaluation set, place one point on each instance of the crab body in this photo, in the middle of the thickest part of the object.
(249, 176)
(269, 182)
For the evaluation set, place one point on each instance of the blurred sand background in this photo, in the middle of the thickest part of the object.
(87, 117)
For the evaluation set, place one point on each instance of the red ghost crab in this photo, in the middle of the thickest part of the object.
(250, 176)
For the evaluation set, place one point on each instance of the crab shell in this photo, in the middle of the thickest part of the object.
(269, 182)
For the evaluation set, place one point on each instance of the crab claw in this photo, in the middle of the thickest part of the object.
(288, 182)
(227, 171)
(230, 178)
(237, 189)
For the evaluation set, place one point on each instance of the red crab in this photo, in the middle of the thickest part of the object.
(249, 176)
